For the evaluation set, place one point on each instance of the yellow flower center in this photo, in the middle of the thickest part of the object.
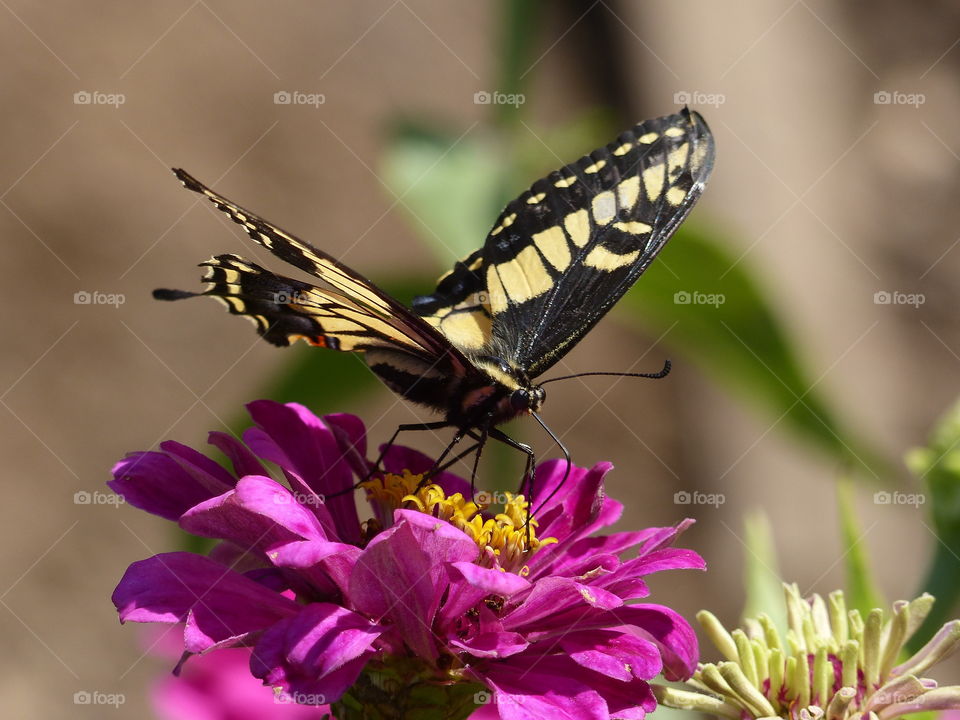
(506, 540)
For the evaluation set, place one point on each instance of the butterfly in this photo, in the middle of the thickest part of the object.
(557, 259)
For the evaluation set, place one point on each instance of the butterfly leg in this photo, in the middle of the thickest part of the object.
(529, 470)
(440, 424)
(460, 435)
(566, 458)
(481, 442)
(460, 456)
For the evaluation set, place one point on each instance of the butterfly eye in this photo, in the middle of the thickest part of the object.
(520, 399)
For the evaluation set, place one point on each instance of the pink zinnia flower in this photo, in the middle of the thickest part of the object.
(219, 686)
(432, 594)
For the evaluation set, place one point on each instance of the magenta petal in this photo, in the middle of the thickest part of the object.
(665, 536)
(259, 514)
(549, 603)
(402, 575)
(659, 560)
(319, 653)
(393, 579)
(580, 506)
(224, 604)
(492, 644)
(318, 560)
(351, 437)
(204, 470)
(470, 583)
(269, 499)
(217, 686)
(154, 482)
(440, 540)
(613, 653)
(302, 444)
(669, 632)
(543, 687)
(574, 554)
(244, 462)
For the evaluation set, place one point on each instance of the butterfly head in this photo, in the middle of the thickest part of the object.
(528, 399)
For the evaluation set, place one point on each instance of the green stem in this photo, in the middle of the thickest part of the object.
(403, 691)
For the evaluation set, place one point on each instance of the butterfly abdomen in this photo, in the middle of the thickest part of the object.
(413, 378)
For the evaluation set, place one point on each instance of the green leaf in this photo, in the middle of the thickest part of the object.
(710, 307)
(449, 187)
(938, 467)
(861, 591)
(764, 588)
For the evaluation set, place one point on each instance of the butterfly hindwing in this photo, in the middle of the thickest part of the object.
(285, 310)
(363, 297)
(561, 254)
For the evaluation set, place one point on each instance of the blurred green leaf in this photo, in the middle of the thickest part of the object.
(519, 20)
(938, 467)
(711, 308)
(764, 587)
(449, 187)
(861, 590)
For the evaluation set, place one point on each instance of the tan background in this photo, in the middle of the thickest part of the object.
(829, 196)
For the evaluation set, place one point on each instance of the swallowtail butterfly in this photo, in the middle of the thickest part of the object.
(557, 259)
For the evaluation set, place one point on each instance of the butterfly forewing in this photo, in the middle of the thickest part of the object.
(561, 254)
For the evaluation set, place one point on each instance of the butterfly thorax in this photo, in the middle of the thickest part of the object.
(494, 393)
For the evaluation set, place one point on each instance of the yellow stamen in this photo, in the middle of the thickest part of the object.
(506, 541)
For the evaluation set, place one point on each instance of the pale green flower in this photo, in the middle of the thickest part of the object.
(834, 663)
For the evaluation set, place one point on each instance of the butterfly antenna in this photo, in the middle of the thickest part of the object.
(566, 457)
(652, 376)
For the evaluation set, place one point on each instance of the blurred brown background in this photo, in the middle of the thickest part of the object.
(826, 191)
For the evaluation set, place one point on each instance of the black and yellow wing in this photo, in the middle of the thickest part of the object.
(561, 254)
(285, 310)
(354, 315)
